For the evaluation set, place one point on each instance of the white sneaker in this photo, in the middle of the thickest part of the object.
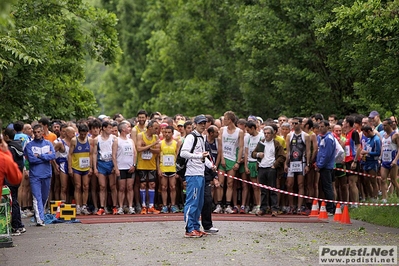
(212, 230)
(78, 210)
(384, 200)
(218, 209)
(120, 210)
(84, 210)
(255, 209)
(228, 210)
(131, 210)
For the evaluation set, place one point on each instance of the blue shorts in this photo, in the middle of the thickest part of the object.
(63, 164)
(81, 173)
(105, 168)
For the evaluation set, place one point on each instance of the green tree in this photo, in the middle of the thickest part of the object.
(58, 34)
(369, 29)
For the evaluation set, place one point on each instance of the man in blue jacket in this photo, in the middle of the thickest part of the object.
(39, 153)
(325, 163)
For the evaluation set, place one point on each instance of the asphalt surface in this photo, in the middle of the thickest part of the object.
(163, 243)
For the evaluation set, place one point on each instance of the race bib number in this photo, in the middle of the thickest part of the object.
(106, 156)
(84, 162)
(127, 150)
(168, 160)
(227, 151)
(387, 156)
(146, 155)
(347, 150)
(296, 167)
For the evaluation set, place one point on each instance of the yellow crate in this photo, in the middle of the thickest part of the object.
(54, 205)
(68, 212)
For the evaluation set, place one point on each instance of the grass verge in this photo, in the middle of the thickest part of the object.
(381, 215)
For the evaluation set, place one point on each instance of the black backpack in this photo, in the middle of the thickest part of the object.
(181, 163)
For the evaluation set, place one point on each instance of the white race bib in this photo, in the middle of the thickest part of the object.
(146, 155)
(168, 160)
(106, 156)
(347, 150)
(84, 162)
(127, 150)
(387, 156)
(296, 167)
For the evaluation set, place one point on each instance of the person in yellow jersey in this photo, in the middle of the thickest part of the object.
(166, 164)
(140, 126)
(79, 167)
(148, 149)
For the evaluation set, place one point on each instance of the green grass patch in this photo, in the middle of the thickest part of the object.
(381, 215)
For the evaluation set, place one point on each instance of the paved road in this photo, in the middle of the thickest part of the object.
(162, 243)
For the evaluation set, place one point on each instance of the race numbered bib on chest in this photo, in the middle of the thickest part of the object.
(84, 162)
(168, 160)
(347, 150)
(296, 167)
(146, 155)
(127, 150)
(106, 156)
(387, 156)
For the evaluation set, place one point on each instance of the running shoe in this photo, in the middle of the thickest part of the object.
(84, 210)
(247, 209)
(260, 212)
(203, 233)
(228, 210)
(193, 234)
(255, 209)
(218, 209)
(165, 209)
(212, 230)
(120, 211)
(28, 213)
(174, 209)
(115, 211)
(274, 214)
(143, 210)
(40, 223)
(22, 230)
(138, 208)
(384, 201)
(242, 210)
(152, 210)
(235, 210)
(100, 211)
(131, 211)
(78, 210)
(15, 232)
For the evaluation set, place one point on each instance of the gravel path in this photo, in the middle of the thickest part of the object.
(162, 243)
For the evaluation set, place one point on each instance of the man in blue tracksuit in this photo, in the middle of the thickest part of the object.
(39, 153)
(325, 162)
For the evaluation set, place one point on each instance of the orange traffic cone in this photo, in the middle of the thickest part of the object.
(338, 213)
(323, 212)
(58, 213)
(345, 219)
(315, 209)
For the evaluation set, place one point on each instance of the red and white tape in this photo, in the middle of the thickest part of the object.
(308, 197)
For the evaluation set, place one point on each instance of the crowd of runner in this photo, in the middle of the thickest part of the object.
(113, 165)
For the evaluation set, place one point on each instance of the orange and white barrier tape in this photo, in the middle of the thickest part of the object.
(307, 197)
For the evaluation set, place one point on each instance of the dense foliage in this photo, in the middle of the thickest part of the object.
(265, 57)
(43, 49)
